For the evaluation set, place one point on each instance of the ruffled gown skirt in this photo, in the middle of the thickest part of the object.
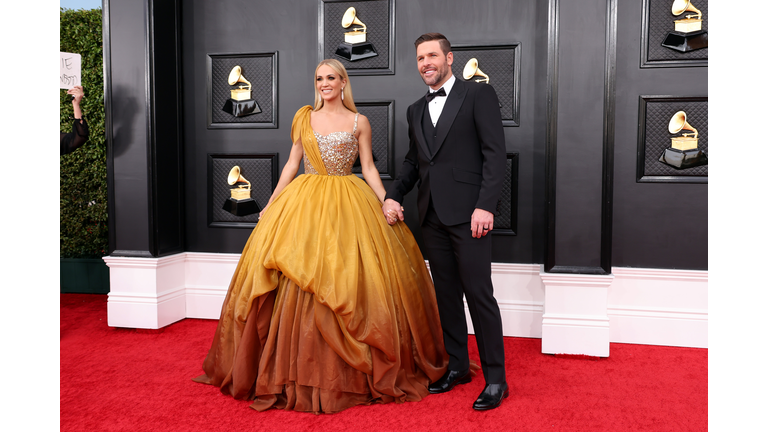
(329, 306)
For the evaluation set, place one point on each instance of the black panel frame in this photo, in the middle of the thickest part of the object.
(550, 166)
(516, 68)
(389, 70)
(644, 40)
(272, 124)
(389, 174)
(209, 195)
(641, 156)
(514, 194)
(162, 185)
(107, 55)
(550, 150)
(609, 139)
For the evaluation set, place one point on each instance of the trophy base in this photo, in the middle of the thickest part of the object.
(241, 207)
(357, 51)
(685, 42)
(241, 108)
(682, 159)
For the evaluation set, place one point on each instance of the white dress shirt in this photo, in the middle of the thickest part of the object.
(437, 104)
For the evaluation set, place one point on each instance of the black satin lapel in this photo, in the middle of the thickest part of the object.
(418, 112)
(450, 110)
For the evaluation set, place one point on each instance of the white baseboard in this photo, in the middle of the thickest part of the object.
(208, 277)
(146, 293)
(575, 334)
(575, 317)
(659, 307)
(645, 306)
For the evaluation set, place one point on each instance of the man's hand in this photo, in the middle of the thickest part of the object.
(482, 223)
(392, 211)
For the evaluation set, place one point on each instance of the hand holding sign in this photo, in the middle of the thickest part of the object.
(69, 70)
(77, 93)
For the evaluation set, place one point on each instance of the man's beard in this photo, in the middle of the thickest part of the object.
(439, 75)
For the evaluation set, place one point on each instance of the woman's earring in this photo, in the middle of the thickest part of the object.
(342, 93)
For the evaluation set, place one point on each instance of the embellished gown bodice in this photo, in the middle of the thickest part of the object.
(338, 150)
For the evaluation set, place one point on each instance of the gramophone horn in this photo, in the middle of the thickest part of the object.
(234, 177)
(350, 18)
(471, 70)
(680, 6)
(679, 122)
(236, 76)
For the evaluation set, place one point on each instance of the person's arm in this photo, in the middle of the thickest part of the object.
(79, 135)
(78, 94)
(370, 172)
(289, 172)
(490, 132)
(406, 179)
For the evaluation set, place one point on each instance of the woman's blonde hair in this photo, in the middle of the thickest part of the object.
(339, 68)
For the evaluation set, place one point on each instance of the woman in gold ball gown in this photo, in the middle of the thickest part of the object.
(329, 306)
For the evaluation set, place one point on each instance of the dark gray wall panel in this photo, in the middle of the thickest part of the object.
(164, 134)
(129, 126)
(580, 111)
(656, 225)
(290, 28)
(642, 230)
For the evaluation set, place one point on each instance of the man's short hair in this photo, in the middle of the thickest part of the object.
(445, 45)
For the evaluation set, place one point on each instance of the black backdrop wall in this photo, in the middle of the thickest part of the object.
(576, 80)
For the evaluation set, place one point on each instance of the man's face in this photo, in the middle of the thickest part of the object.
(434, 66)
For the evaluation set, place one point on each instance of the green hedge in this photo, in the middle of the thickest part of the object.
(83, 188)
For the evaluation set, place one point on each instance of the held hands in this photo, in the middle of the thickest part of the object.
(482, 223)
(392, 211)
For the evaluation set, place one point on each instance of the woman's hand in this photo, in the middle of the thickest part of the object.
(392, 210)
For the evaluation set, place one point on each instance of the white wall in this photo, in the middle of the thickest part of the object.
(584, 313)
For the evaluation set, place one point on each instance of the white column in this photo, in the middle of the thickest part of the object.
(575, 319)
(146, 293)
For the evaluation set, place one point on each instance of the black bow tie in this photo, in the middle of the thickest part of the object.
(432, 95)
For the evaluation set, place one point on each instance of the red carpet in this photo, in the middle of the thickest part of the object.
(116, 379)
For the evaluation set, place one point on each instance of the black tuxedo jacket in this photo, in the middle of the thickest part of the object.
(466, 170)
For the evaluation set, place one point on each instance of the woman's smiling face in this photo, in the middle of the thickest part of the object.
(328, 82)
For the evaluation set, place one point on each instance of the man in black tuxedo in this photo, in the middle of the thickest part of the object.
(457, 156)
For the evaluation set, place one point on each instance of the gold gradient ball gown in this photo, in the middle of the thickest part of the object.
(329, 306)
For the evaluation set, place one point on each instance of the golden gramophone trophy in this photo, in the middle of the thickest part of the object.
(688, 35)
(471, 70)
(355, 46)
(684, 151)
(240, 103)
(240, 202)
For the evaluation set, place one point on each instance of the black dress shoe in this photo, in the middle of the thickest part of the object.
(491, 396)
(449, 381)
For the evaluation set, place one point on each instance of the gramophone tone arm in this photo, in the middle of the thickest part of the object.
(697, 16)
(695, 133)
